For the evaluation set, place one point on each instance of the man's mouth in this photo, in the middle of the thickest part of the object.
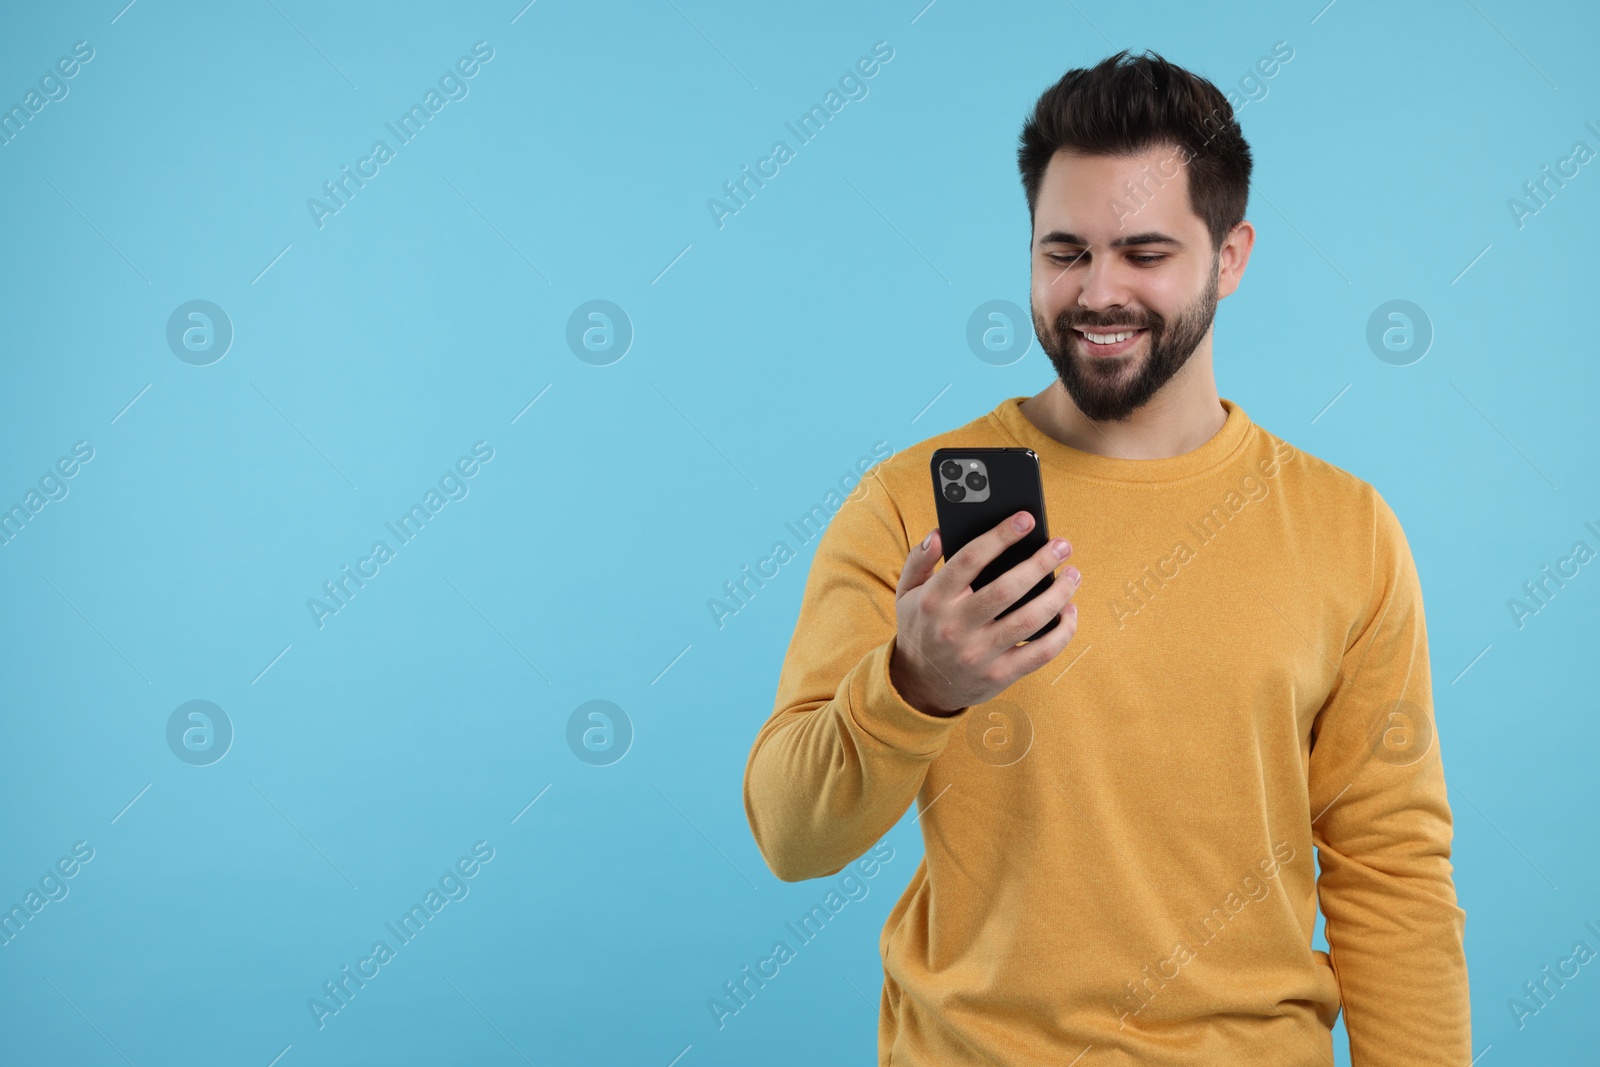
(1109, 342)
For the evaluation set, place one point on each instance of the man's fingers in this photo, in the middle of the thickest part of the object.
(1025, 620)
(978, 553)
(1025, 659)
(919, 564)
(988, 602)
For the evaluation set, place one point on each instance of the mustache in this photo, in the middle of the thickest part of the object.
(1066, 322)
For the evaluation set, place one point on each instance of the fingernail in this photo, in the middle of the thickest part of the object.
(926, 541)
(1020, 523)
(1060, 547)
(1072, 572)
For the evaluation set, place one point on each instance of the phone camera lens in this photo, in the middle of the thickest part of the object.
(976, 482)
(950, 469)
(953, 491)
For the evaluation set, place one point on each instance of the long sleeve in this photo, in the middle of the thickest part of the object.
(1384, 830)
(843, 755)
(1249, 674)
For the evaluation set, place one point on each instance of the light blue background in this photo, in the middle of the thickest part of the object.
(769, 355)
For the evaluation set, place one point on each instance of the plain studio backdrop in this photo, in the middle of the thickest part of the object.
(536, 349)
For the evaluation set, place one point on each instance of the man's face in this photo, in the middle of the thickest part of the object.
(1164, 283)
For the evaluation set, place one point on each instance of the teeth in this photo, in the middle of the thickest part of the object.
(1108, 338)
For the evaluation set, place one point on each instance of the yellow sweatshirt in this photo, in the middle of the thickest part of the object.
(1118, 849)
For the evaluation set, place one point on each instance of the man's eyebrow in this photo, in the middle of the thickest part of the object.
(1061, 237)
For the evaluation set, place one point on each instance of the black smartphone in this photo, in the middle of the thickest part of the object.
(974, 490)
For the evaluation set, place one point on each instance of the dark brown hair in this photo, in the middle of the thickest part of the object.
(1125, 105)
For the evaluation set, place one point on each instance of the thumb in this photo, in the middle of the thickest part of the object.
(920, 563)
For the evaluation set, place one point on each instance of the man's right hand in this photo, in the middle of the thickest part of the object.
(952, 651)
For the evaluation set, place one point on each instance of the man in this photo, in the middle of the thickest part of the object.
(1119, 817)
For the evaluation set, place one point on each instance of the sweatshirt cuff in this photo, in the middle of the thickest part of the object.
(880, 711)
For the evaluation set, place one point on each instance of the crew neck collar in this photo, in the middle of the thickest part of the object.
(1058, 455)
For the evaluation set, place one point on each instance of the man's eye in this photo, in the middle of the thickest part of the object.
(1067, 260)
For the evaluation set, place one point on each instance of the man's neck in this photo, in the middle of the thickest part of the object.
(1182, 416)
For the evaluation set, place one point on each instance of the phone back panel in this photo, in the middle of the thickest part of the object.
(1013, 485)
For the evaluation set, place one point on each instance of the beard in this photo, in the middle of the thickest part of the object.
(1113, 388)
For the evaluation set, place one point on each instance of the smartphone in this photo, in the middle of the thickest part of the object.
(974, 490)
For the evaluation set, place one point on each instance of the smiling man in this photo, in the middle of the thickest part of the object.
(1126, 840)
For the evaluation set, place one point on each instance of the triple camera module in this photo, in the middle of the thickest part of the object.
(964, 481)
